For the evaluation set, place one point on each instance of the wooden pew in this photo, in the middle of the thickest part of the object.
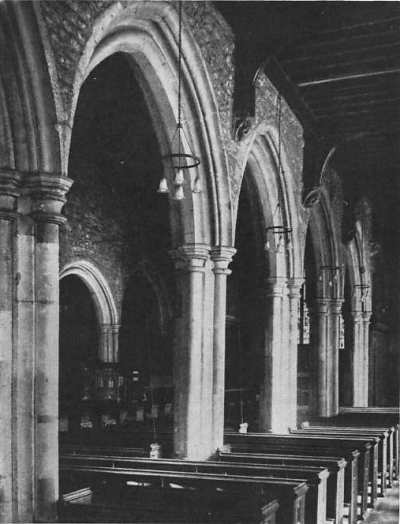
(303, 444)
(172, 506)
(342, 421)
(336, 467)
(72, 449)
(372, 417)
(384, 447)
(203, 489)
(315, 476)
(366, 477)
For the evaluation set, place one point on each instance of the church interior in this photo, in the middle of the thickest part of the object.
(199, 261)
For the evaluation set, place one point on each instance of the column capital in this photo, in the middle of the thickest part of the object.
(275, 286)
(322, 306)
(222, 257)
(191, 257)
(10, 181)
(48, 194)
(357, 315)
(366, 316)
(294, 286)
(336, 305)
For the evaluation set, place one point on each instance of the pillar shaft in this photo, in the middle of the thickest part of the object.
(8, 195)
(192, 361)
(361, 322)
(47, 199)
(221, 256)
(46, 363)
(335, 316)
(324, 364)
(23, 369)
(108, 350)
(273, 409)
(294, 286)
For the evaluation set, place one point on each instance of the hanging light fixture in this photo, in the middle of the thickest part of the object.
(182, 158)
(364, 291)
(281, 234)
(333, 272)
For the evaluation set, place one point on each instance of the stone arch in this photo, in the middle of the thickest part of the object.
(31, 142)
(147, 33)
(325, 234)
(104, 302)
(360, 310)
(357, 259)
(277, 197)
(279, 207)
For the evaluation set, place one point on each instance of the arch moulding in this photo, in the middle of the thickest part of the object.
(104, 302)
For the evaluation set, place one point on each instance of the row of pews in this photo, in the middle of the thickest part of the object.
(329, 470)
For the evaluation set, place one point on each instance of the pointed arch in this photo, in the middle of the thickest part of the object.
(33, 142)
(276, 191)
(146, 33)
(105, 306)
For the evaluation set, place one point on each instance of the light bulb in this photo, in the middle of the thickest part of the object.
(279, 245)
(179, 178)
(163, 187)
(267, 245)
(196, 185)
(179, 195)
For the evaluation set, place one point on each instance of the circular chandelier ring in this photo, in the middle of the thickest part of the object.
(194, 160)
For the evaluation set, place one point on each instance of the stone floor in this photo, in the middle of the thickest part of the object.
(387, 509)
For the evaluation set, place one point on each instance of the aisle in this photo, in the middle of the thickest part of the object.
(387, 510)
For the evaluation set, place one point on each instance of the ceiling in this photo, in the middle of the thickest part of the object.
(341, 61)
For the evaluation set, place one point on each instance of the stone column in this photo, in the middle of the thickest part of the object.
(294, 287)
(193, 354)
(335, 315)
(108, 350)
(221, 257)
(360, 378)
(361, 321)
(324, 363)
(23, 363)
(47, 194)
(9, 182)
(274, 413)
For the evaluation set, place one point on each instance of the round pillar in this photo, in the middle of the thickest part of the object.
(193, 366)
(47, 193)
(321, 313)
(221, 256)
(9, 191)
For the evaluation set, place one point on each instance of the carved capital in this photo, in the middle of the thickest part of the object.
(10, 181)
(366, 316)
(275, 287)
(242, 127)
(294, 287)
(336, 306)
(222, 257)
(191, 257)
(322, 306)
(48, 196)
(357, 316)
